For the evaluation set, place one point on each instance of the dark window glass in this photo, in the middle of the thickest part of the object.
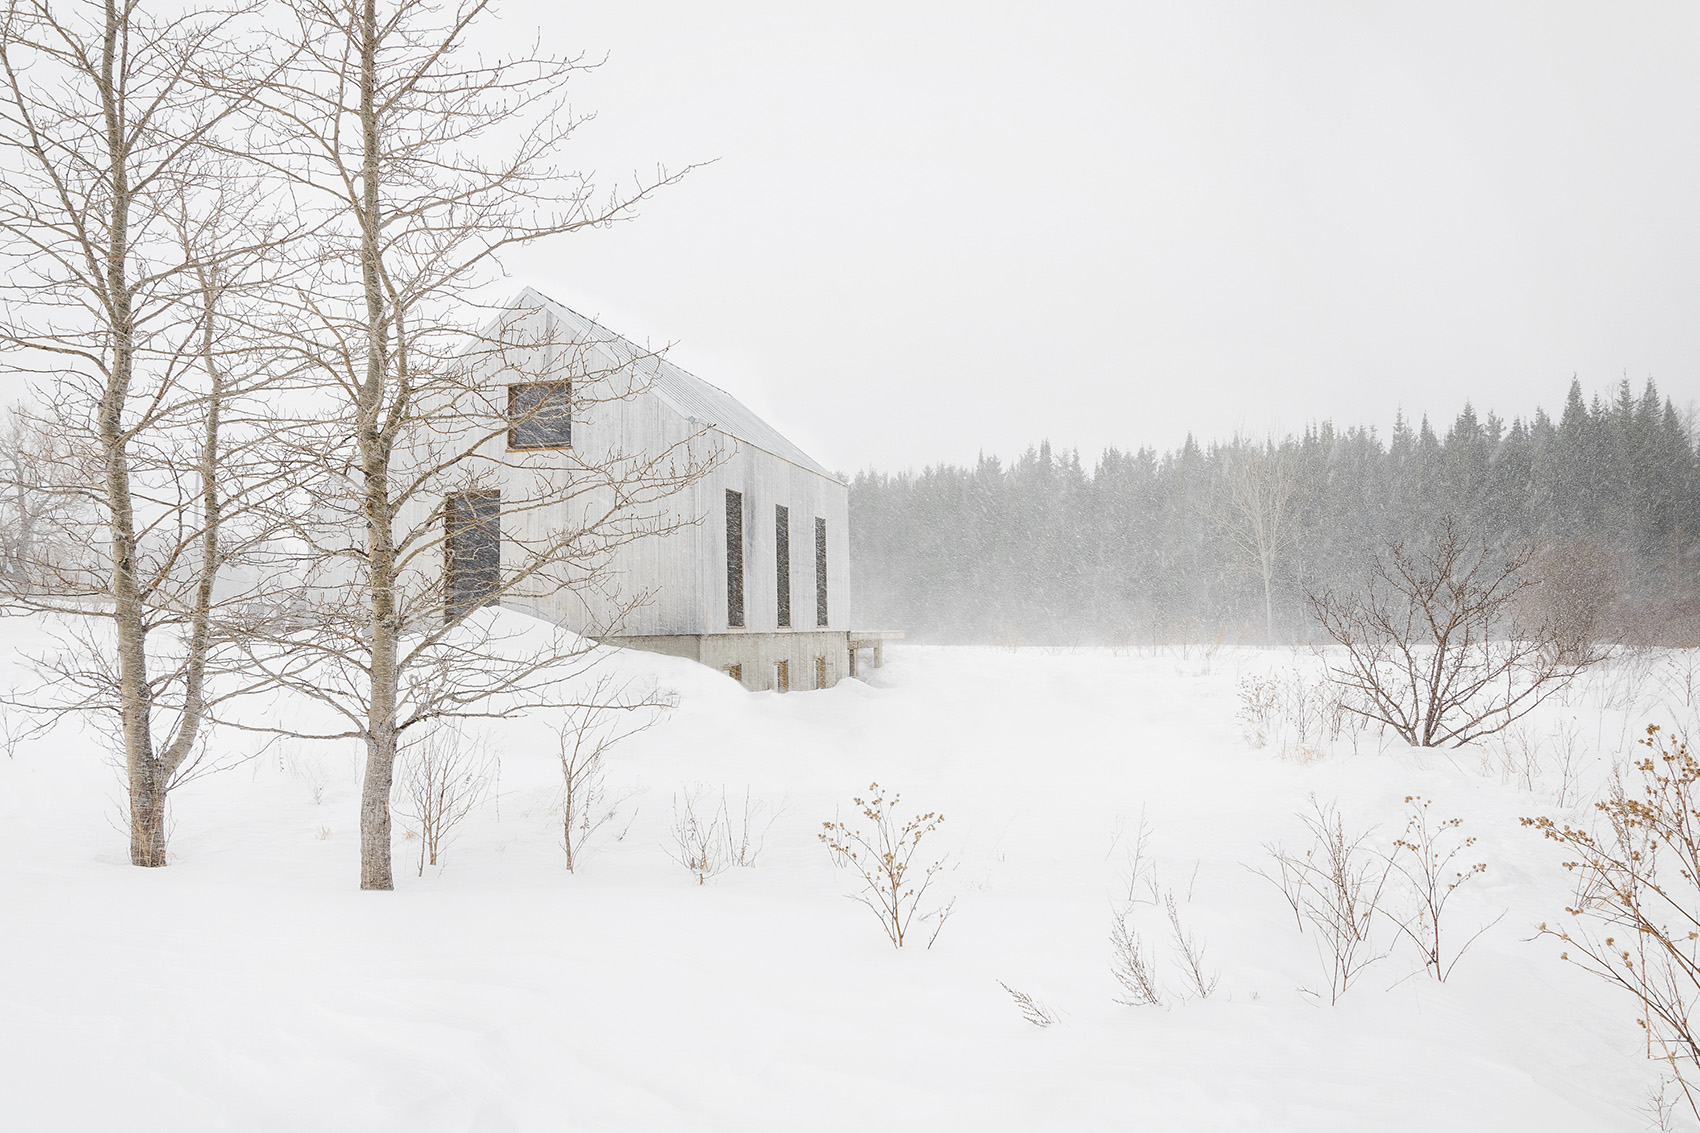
(782, 562)
(820, 571)
(540, 416)
(734, 558)
(472, 551)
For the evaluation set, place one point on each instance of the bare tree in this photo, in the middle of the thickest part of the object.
(419, 164)
(446, 775)
(130, 250)
(1259, 482)
(1575, 585)
(1430, 645)
(589, 732)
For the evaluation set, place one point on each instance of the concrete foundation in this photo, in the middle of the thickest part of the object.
(789, 660)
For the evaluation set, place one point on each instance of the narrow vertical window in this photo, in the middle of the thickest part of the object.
(734, 558)
(820, 571)
(820, 672)
(782, 562)
(472, 552)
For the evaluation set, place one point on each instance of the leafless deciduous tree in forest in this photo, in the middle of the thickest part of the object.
(129, 255)
(1574, 586)
(1259, 485)
(418, 163)
(1431, 648)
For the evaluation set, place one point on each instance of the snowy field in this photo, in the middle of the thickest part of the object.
(250, 986)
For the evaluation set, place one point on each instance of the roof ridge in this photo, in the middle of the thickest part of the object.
(735, 419)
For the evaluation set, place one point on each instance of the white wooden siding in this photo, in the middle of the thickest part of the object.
(684, 572)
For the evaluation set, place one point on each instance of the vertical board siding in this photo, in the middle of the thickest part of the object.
(690, 575)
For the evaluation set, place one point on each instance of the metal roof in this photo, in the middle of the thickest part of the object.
(683, 391)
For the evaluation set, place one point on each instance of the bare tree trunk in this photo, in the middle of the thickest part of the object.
(376, 870)
(1256, 514)
(147, 792)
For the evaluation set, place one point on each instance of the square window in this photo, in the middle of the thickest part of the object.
(540, 415)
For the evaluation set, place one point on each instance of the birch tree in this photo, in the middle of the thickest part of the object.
(420, 164)
(1257, 514)
(126, 257)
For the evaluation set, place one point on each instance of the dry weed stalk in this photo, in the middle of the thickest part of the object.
(699, 835)
(1189, 952)
(885, 853)
(1132, 962)
(1423, 856)
(1031, 1009)
(1133, 965)
(1335, 887)
(1636, 918)
(1260, 699)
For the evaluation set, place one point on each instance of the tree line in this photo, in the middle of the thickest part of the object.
(1228, 539)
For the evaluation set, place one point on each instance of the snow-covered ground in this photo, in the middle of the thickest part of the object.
(251, 986)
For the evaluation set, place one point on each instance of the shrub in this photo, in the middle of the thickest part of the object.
(886, 853)
(1334, 887)
(1431, 647)
(1572, 588)
(708, 841)
(1423, 856)
(585, 737)
(1636, 918)
(444, 777)
(700, 840)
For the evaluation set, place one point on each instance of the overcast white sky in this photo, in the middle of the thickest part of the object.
(940, 228)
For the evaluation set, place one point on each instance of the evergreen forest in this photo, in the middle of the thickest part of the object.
(1149, 547)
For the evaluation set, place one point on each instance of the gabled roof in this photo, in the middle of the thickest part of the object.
(686, 393)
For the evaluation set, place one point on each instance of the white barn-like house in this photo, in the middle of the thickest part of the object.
(755, 582)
